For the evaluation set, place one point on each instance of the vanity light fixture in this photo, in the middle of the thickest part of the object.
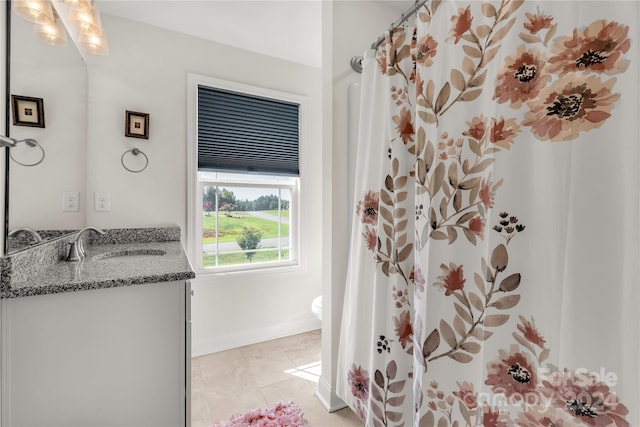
(37, 11)
(73, 3)
(95, 43)
(81, 17)
(53, 34)
(84, 18)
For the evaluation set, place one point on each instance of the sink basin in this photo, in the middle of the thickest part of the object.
(129, 255)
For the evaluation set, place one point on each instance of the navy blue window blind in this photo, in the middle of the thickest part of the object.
(238, 132)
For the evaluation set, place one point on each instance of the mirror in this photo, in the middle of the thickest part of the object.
(57, 75)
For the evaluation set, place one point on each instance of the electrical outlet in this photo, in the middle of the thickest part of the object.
(102, 202)
(70, 201)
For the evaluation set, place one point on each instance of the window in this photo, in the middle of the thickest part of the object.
(247, 220)
(246, 177)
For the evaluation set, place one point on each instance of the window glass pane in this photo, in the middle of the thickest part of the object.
(244, 224)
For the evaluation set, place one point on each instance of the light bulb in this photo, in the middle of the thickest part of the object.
(93, 42)
(84, 20)
(53, 34)
(37, 11)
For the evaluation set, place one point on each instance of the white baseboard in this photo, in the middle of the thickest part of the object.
(227, 342)
(327, 396)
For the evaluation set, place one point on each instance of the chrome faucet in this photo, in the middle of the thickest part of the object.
(76, 248)
(30, 231)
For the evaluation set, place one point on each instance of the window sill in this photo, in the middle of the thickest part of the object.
(259, 269)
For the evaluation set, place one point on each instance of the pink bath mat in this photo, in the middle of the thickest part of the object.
(283, 414)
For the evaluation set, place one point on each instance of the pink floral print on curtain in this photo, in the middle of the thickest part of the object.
(440, 186)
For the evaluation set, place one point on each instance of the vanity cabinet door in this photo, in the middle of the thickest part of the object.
(107, 357)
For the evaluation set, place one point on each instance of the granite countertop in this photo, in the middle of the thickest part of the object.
(121, 263)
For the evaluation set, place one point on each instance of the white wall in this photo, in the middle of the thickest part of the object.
(146, 71)
(349, 28)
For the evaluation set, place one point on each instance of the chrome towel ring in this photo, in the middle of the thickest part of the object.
(31, 143)
(135, 152)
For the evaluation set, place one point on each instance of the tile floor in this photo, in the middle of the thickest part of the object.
(260, 375)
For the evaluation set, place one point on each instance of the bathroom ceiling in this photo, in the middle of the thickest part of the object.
(287, 29)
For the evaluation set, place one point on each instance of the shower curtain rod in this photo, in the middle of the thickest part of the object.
(406, 15)
(356, 61)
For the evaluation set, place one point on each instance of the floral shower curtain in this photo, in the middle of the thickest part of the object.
(493, 275)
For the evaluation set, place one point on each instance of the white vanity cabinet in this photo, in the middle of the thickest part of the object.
(106, 357)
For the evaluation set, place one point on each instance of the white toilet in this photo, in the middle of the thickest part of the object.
(316, 307)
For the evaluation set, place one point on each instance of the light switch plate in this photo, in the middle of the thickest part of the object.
(102, 202)
(70, 201)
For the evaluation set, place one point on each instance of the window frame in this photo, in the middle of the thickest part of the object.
(194, 193)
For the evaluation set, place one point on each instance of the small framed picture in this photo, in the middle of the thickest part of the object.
(27, 111)
(137, 125)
